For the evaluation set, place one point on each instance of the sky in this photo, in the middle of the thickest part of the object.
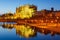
(10, 5)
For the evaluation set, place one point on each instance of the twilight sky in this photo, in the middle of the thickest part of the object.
(10, 5)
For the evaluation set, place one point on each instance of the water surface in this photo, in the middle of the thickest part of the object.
(10, 34)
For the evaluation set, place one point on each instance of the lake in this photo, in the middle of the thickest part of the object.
(9, 33)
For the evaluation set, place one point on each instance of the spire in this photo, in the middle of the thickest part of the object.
(52, 9)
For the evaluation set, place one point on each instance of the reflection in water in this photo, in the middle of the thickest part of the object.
(25, 31)
(22, 30)
(28, 31)
(45, 31)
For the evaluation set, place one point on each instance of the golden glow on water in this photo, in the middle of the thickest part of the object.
(22, 30)
(25, 30)
(28, 31)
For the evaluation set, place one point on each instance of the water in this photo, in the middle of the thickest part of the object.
(10, 34)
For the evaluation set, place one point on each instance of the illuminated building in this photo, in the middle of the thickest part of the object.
(25, 11)
(8, 15)
(30, 12)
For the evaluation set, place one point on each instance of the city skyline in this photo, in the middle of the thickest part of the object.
(29, 20)
(10, 5)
